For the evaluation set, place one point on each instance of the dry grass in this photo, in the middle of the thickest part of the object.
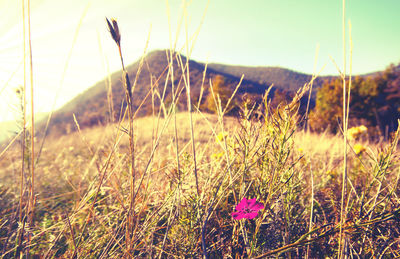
(68, 173)
(166, 186)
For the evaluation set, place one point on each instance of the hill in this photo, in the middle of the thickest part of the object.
(154, 84)
(282, 78)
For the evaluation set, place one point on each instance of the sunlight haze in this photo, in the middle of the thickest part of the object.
(251, 33)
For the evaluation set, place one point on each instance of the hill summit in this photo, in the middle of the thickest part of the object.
(155, 81)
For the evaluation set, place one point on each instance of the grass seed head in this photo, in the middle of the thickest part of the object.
(114, 30)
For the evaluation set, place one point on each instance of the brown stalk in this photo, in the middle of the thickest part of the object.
(32, 194)
(23, 142)
(71, 231)
(346, 101)
(115, 34)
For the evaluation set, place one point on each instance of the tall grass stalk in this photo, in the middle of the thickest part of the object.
(171, 56)
(175, 93)
(217, 197)
(115, 33)
(310, 227)
(23, 141)
(307, 123)
(186, 78)
(189, 105)
(342, 249)
(30, 207)
(32, 194)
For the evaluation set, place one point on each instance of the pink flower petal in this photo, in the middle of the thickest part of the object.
(251, 202)
(238, 215)
(257, 206)
(247, 209)
(250, 215)
(242, 204)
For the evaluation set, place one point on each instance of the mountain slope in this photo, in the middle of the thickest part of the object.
(282, 78)
(154, 82)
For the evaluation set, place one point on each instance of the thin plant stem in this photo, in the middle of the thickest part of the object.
(32, 116)
(32, 199)
(350, 74)
(189, 103)
(342, 248)
(311, 209)
(115, 33)
(23, 142)
(307, 123)
(24, 95)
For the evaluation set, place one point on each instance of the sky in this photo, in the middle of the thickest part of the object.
(72, 49)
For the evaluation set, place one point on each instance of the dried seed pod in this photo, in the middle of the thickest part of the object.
(114, 30)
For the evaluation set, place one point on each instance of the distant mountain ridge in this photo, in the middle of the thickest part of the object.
(92, 106)
(282, 78)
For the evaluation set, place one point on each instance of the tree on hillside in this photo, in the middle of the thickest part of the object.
(328, 109)
(364, 100)
(281, 97)
(389, 112)
(222, 93)
(374, 103)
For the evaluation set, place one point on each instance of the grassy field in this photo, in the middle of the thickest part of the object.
(192, 185)
(83, 191)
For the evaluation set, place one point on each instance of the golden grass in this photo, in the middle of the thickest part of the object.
(68, 169)
(324, 149)
(167, 187)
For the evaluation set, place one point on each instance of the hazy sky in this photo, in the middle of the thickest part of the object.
(281, 33)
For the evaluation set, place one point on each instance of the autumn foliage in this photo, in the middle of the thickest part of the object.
(219, 94)
(374, 102)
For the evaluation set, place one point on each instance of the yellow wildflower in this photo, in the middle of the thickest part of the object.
(217, 156)
(355, 132)
(220, 137)
(363, 129)
(358, 149)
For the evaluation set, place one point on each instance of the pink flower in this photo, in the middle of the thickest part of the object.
(247, 209)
